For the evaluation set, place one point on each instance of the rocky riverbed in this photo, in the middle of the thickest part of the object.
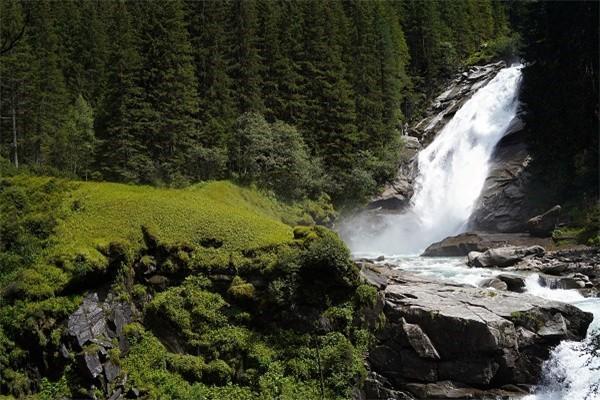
(447, 340)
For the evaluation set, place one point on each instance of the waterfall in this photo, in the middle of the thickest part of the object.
(451, 174)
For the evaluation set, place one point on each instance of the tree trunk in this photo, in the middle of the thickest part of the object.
(14, 127)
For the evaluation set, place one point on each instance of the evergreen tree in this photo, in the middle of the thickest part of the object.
(245, 55)
(73, 147)
(167, 124)
(122, 154)
(50, 98)
(207, 22)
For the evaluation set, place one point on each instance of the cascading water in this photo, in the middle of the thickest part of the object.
(452, 171)
(451, 175)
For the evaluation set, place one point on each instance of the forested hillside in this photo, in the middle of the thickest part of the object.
(173, 92)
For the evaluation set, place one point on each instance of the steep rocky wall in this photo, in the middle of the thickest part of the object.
(505, 203)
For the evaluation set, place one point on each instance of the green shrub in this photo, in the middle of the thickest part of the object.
(189, 367)
(241, 290)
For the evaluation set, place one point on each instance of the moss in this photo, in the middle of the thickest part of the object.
(241, 290)
(189, 367)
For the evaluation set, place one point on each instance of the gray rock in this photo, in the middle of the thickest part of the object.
(514, 283)
(111, 371)
(377, 387)
(463, 244)
(504, 203)
(452, 390)
(467, 335)
(419, 341)
(504, 256)
(454, 246)
(493, 283)
(542, 225)
(88, 321)
(93, 364)
(116, 394)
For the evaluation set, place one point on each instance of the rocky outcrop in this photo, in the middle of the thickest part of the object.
(458, 92)
(543, 225)
(396, 195)
(96, 328)
(451, 341)
(503, 256)
(566, 269)
(463, 244)
(514, 283)
(504, 204)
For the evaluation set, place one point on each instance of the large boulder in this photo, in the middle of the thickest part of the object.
(455, 246)
(469, 337)
(493, 283)
(463, 244)
(542, 225)
(514, 283)
(503, 256)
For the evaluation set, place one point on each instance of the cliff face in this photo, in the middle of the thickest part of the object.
(504, 204)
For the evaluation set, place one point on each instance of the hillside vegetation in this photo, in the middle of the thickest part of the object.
(223, 298)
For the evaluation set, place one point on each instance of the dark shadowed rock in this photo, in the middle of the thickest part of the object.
(459, 245)
(543, 225)
(514, 283)
(377, 387)
(504, 203)
(93, 327)
(503, 256)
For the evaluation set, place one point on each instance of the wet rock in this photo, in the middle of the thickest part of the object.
(493, 283)
(504, 256)
(464, 243)
(574, 269)
(459, 245)
(438, 332)
(543, 225)
(504, 203)
(514, 283)
(397, 194)
(448, 102)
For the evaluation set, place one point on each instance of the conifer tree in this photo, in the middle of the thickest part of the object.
(50, 96)
(207, 22)
(122, 154)
(168, 120)
(246, 61)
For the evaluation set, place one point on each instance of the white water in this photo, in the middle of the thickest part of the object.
(452, 171)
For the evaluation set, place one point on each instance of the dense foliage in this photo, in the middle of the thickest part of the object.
(560, 93)
(154, 92)
(227, 300)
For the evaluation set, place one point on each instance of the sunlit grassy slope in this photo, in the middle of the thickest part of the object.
(100, 213)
